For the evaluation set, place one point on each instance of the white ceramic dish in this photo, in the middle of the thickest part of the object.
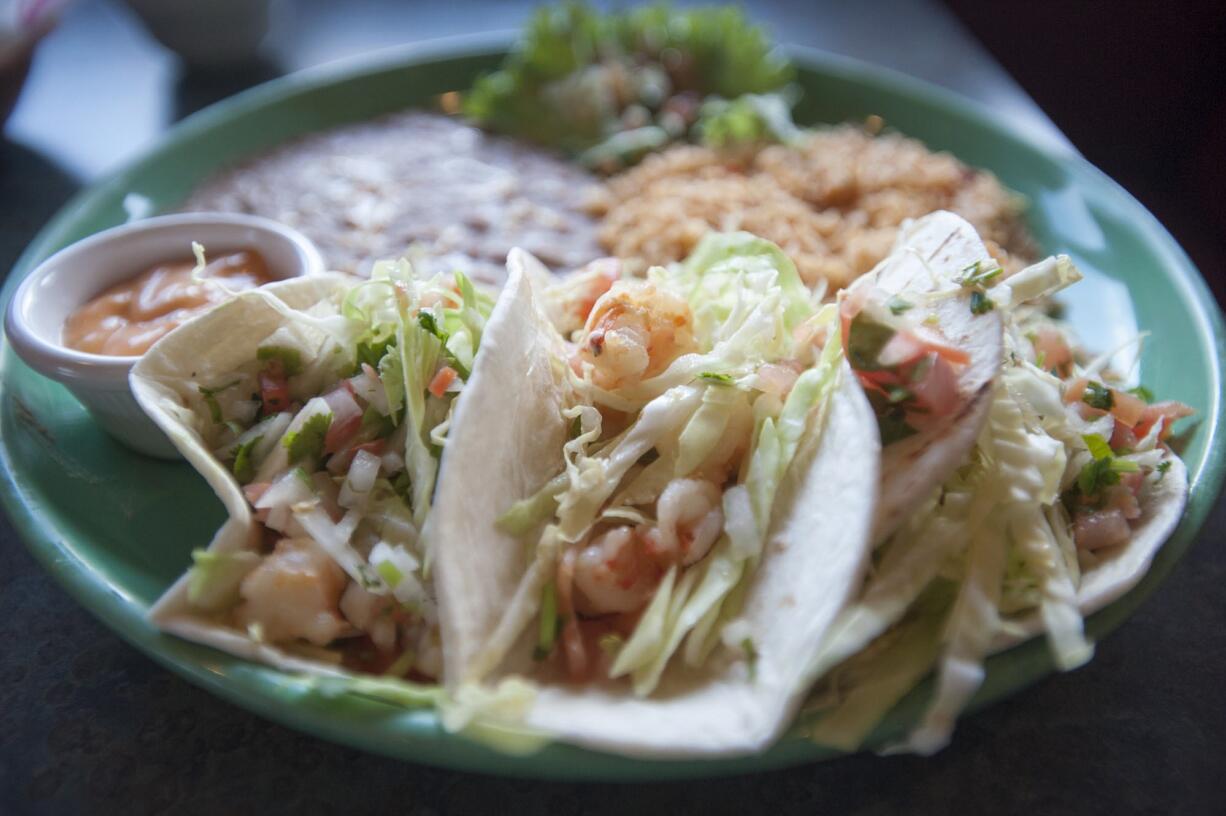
(68, 279)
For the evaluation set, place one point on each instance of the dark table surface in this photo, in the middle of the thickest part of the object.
(89, 725)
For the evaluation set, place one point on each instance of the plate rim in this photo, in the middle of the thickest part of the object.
(105, 602)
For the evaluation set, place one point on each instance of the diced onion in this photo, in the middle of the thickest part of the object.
(370, 388)
(362, 474)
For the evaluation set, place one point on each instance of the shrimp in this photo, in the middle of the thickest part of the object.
(294, 593)
(633, 332)
(372, 614)
(690, 517)
(615, 572)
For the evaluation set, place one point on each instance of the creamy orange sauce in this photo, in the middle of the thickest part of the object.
(128, 318)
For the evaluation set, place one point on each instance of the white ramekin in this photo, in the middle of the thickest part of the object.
(74, 275)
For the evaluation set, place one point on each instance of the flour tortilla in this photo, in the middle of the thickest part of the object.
(166, 383)
(1115, 571)
(812, 565)
(928, 255)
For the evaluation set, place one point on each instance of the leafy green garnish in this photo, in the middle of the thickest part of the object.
(1098, 396)
(717, 378)
(548, 625)
(981, 303)
(576, 71)
(290, 358)
(209, 395)
(1142, 393)
(1163, 467)
(749, 120)
(244, 467)
(307, 443)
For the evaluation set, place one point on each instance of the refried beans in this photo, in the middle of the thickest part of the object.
(463, 198)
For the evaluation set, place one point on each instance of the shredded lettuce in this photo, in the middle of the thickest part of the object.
(214, 578)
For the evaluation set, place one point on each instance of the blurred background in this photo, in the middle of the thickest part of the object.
(1135, 87)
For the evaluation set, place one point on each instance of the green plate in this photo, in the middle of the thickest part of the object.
(116, 529)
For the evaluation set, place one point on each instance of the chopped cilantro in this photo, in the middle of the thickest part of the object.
(289, 358)
(975, 275)
(1097, 446)
(865, 340)
(717, 378)
(1143, 393)
(403, 485)
(981, 303)
(1098, 396)
(376, 423)
(308, 441)
(1163, 467)
(897, 394)
(244, 467)
(897, 305)
(370, 352)
(1096, 475)
(1104, 470)
(389, 572)
(751, 655)
(427, 321)
(209, 395)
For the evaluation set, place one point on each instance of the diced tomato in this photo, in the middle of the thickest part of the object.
(255, 490)
(1126, 407)
(444, 378)
(1055, 353)
(935, 342)
(346, 418)
(1075, 390)
(937, 391)
(341, 432)
(902, 349)
(1164, 412)
(341, 461)
(1122, 437)
(274, 389)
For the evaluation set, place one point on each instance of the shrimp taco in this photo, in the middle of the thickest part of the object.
(318, 409)
(1058, 508)
(682, 505)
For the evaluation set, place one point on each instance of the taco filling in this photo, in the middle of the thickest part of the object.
(689, 394)
(333, 425)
